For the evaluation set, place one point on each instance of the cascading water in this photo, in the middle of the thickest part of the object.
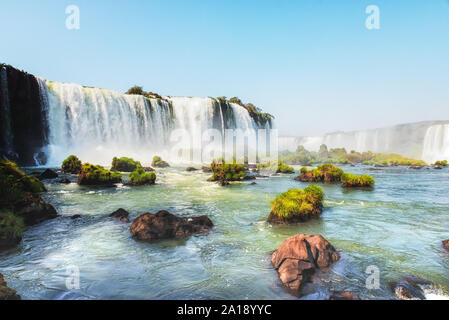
(98, 124)
(436, 143)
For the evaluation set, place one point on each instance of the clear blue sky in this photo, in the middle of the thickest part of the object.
(312, 64)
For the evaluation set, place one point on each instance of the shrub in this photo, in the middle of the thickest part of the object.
(97, 175)
(15, 185)
(298, 203)
(11, 229)
(352, 180)
(326, 173)
(139, 177)
(71, 165)
(158, 162)
(224, 172)
(279, 168)
(441, 163)
(125, 164)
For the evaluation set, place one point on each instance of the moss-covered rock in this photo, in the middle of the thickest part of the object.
(124, 164)
(139, 177)
(71, 165)
(280, 167)
(97, 175)
(223, 172)
(159, 163)
(297, 205)
(19, 194)
(11, 229)
(326, 173)
(351, 180)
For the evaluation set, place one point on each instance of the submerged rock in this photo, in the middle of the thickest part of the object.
(189, 169)
(206, 169)
(164, 225)
(48, 174)
(6, 293)
(65, 180)
(120, 214)
(298, 257)
(343, 295)
(409, 288)
(148, 169)
(446, 244)
(75, 216)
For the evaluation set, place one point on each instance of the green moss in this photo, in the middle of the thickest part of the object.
(351, 180)
(158, 162)
(223, 172)
(97, 175)
(11, 228)
(71, 165)
(280, 167)
(15, 185)
(297, 202)
(140, 177)
(149, 95)
(125, 164)
(441, 163)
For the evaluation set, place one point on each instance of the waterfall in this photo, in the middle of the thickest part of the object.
(5, 116)
(98, 124)
(436, 143)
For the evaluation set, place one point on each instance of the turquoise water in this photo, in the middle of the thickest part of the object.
(397, 227)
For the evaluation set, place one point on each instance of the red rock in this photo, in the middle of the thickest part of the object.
(298, 257)
(446, 244)
(7, 293)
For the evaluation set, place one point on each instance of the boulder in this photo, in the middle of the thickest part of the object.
(48, 174)
(7, 293)
(343, 295)
(35, 210)
(148, 169)
(446, 244)
(164, 225)
(189, 169)
(298, 258)
(75, 216)
(120, 214)
(206, 169)
(409, 288)
(65, 180)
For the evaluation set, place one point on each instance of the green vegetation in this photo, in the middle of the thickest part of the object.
(339, 156)
(139, 177)
(280, 167)
(351, 180)
(255, 112)
(298, 203)
(224, 172)
(124, 164)
(326, 173)
(71, 165)
(97, 175)
(139, 91)
(159, 163)
(15, 185)
(441, 163)
(11, 229)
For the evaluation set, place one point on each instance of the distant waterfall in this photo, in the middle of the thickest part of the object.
(98, 124)
(436, 143)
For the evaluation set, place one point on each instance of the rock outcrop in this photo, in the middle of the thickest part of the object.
(7, 293)
(48, 174)
(35, 210)
(164, 225)
(446, 244)
(409, 288)
(298, 258)
(120, 214)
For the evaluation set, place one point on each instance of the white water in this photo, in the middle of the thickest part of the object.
(436, 143)
(98, 124)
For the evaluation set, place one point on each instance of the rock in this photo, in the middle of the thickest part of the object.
(416, 167)
(120, 214)
(298, 257)
(164, 225)
(409, 288)
(252, 183)
(148, 169)
(75, 216)
(189, 169)
(249, 178)
(7, 293)
(343, 295)
(446, 244)
(438, 168)
(206, 169)
(35, 211)
(65, 180)
(223, 183)
(48, 174)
